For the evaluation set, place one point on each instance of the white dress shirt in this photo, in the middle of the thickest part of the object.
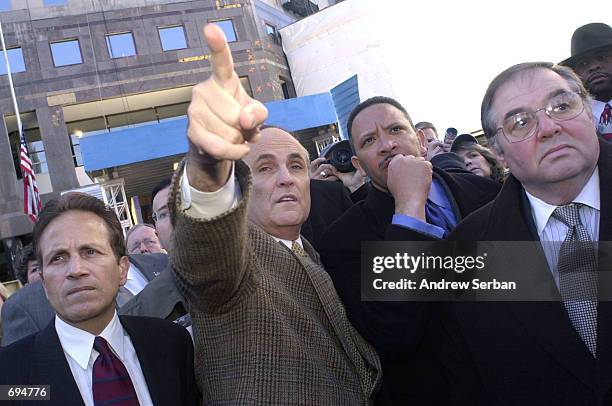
(78, 349)
(206, 205)
(552, 232)
(136, 281)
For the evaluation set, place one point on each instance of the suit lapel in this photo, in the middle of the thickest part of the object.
(150, 265)
(151, 357)
(548, 322)
(50, 367)
(379, 208)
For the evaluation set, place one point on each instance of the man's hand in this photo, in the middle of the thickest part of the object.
(321, 171)
(434, 148)
(222, 119)
(409, 181)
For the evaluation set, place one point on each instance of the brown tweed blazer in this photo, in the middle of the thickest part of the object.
(269, 327)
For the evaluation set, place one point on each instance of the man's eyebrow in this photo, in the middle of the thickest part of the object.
(263, 157)
(296, 155)
(549, 96)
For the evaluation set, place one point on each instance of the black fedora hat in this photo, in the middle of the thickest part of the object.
(587, 38)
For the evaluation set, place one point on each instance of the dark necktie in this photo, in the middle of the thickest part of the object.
(111, 382)
(577, 268)
(605, 120)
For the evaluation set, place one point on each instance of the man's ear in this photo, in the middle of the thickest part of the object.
(421, 137)
(124, 265)
(357, 165)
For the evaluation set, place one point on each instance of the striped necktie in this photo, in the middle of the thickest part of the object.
(111, 382)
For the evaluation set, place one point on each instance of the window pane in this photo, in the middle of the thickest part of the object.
(120, 45)
(5, 5)
(88, 126)
(54, 2)
(16, 62)
(246, 83)
(172, 111)
(172, 38)
(228, 29)
(66, 53)
(131, 119)
(270, 29)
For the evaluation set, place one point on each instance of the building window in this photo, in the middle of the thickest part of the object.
(54, 2)
(36, 148)
(246, 83)
(172, 38)
(120, 45)
(270, 29)
(285, 86)
(16, 62)
(66, 52)
(5, 5)
(228, 29)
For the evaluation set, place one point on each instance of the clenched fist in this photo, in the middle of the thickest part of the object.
(409, 181)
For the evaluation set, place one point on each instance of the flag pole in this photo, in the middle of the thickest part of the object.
(32, 203)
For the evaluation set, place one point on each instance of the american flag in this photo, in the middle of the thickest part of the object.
(31, 198)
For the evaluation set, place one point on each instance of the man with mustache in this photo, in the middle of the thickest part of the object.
(592, 60)
(409, 201)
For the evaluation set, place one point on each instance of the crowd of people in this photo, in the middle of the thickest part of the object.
(247, 287)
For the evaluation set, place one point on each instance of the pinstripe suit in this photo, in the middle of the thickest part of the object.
(268, 325)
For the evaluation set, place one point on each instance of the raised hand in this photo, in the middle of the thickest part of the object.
(223, 119)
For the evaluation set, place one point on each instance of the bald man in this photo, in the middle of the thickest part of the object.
(268, 324)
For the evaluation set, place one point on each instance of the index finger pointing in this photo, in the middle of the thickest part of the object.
(221, 56)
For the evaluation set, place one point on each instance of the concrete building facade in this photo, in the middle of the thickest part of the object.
(84, 68)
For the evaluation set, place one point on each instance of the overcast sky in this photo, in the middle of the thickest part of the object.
(442, 54)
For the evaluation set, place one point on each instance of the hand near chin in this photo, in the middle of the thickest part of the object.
(409, 181)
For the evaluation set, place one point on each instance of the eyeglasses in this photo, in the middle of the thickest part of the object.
(562, 107)
(148, 243)
(162, 215)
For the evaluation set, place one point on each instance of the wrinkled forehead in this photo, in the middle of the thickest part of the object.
(528, 90)
(275, 143)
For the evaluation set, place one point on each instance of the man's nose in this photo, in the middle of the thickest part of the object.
(76, 267)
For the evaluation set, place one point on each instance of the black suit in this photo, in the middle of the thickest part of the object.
(526, 352)
(27, 311)
(401, 332)
(164, 350)
(328, 201)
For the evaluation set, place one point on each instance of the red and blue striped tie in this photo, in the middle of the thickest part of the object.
(111, 382)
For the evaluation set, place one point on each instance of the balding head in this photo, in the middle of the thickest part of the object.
(281, 184)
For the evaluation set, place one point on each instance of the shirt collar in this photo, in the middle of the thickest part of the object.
(78, 344)
(289, 243)
(589, 196)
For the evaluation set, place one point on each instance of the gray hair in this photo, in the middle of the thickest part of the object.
(487, 113)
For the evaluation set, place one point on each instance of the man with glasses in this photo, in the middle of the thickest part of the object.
(592, 60)
(537, 116)
(142, 239)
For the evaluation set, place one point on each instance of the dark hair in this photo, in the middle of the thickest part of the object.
(421, 125)
(83, 202)
(497, 169)
(487, 115)
(370, 102)
(24, 255)
(159, 187)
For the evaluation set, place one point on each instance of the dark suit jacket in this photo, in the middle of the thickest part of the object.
(526, 352)
(401, 332)
(160, 298)
(328, 201)
(39, 360)
(27, 311)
